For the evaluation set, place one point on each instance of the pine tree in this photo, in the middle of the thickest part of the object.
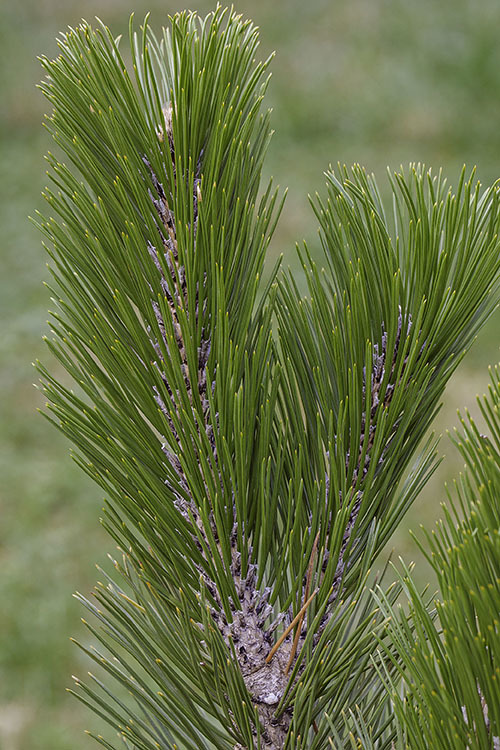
(257, 448)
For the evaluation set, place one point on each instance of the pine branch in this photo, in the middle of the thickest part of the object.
(449, 659)
(251, 443)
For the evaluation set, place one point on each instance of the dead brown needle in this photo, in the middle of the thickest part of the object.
(310, 568)
(290, 627)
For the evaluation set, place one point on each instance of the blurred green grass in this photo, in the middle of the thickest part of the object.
(380, 82)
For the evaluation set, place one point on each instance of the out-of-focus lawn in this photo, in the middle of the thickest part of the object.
(374, 81)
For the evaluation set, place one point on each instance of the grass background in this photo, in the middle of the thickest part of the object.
(380, 82)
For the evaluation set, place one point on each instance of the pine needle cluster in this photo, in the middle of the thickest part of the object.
(257, 447)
